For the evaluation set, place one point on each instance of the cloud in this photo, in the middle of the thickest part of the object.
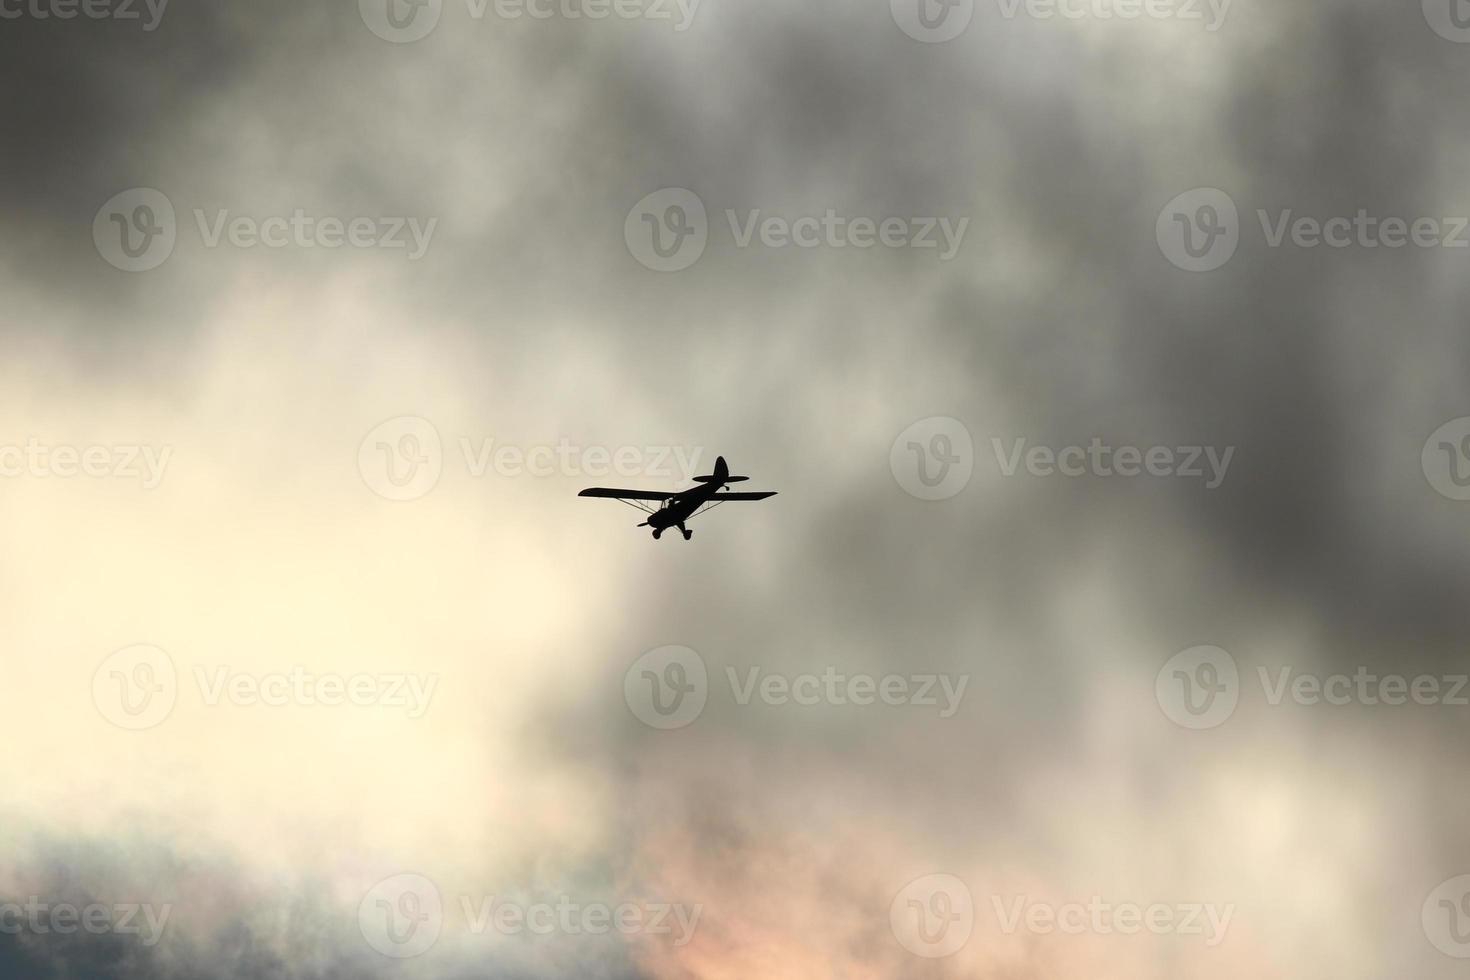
(529, 322)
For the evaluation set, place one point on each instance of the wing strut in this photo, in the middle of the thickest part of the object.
(709, 506)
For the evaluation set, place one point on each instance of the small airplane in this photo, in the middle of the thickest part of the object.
(679, 506)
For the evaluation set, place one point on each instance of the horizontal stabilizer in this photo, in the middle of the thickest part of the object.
(721, 474)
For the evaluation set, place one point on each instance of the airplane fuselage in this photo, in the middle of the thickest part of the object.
(681, 506)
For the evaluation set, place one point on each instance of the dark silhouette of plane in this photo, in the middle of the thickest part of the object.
(680, 506)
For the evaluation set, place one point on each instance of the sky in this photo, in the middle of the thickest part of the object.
(1108, 360)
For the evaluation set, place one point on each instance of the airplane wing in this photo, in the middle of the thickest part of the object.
(626, 494)
(754, 495)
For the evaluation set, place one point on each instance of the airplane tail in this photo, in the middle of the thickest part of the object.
(721, 475)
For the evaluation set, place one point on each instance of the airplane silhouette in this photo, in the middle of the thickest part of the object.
(680, 506)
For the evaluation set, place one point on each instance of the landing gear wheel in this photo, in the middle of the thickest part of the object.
(657, 532)
(687, 533)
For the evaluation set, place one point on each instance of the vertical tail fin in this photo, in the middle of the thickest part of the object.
(721, 475)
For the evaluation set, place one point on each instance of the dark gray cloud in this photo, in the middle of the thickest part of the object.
(1058, 321)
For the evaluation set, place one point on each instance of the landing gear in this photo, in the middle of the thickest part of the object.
(687, 533)
(657, 532)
